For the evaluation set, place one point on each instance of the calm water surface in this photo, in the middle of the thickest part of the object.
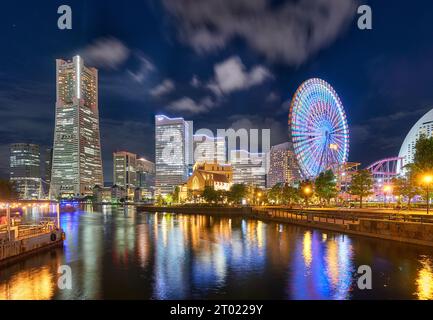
(116, 253)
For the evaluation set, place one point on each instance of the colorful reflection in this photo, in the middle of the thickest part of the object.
(31, 285)
(116, 253)
(424, 281)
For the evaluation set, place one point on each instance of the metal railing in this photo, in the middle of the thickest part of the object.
(339, 218)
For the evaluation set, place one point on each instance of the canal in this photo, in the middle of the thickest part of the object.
(116, 253)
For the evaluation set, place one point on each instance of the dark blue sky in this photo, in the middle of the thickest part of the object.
(219, 63)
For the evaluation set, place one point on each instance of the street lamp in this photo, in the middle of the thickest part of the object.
(428, 179)
(307, 191)
(386, 189)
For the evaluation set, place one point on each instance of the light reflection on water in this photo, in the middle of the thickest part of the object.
(117, 253)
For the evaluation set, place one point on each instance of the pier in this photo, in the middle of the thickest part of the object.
(18, 240)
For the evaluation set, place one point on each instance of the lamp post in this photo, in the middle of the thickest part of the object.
(307, 191)
(386, 189)
(428, 179)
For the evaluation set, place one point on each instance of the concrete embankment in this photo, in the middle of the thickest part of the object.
(389, 228)
(383, 226)
(410, 232)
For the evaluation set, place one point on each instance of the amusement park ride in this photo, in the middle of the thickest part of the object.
(383, 171)
(320, 137)
(318, 128)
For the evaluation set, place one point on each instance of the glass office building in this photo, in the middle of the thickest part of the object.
(77, 163)
(25, 171)
(209, 149)
(124, 170)
(173, 152)
(249, 168)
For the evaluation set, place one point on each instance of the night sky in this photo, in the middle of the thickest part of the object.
(170, 57)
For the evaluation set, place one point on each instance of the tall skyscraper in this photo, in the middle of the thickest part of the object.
(173, 152)
(146, 178)
(48, 164)
(283, 167)
(125, 170)
(209, 149)
(77, 163)
(25, 170)
(249, 168)
(48, 161)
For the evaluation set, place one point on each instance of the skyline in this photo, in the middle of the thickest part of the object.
(145, 74)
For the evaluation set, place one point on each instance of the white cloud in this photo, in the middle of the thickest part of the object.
(145, 68)
(108, 53)
(163, 88)
(195, 82)
(187, 104)
(290, 32)
(231, 75)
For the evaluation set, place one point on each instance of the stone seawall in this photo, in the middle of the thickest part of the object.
(411, 232)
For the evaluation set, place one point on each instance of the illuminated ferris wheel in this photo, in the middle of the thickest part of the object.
(318, 126)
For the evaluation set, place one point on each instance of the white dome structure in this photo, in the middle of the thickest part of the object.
(407, 150)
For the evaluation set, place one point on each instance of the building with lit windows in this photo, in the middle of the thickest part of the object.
(249, 168)
(209, 149)
(424, 126)
(48, 160)
(207, 174)
(25, 170)
(125, 170)
(77, 163)
(283, 167)
(173, 152)
(145, 179)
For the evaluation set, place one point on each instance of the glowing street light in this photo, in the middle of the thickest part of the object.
(428, 179)
(386, 189)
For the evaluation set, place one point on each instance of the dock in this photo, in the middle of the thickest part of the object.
(19, 241)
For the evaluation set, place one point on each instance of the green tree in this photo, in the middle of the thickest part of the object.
(176, 193)
(406, 187)
(168, 199)
(7, 191)
(306, 190)
(289, 195)
(423, 158)
(362, 185)
(276, 193)
(159, 200)
(326, 186)
(209, 194)
(237, 193)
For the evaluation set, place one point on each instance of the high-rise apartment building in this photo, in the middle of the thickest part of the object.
(48, 164)
(25, 170)
(146, 178)
(125, 170)
(249, 168)
(77, 163)
(173, 152)
(283, 167)
(209, 149)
